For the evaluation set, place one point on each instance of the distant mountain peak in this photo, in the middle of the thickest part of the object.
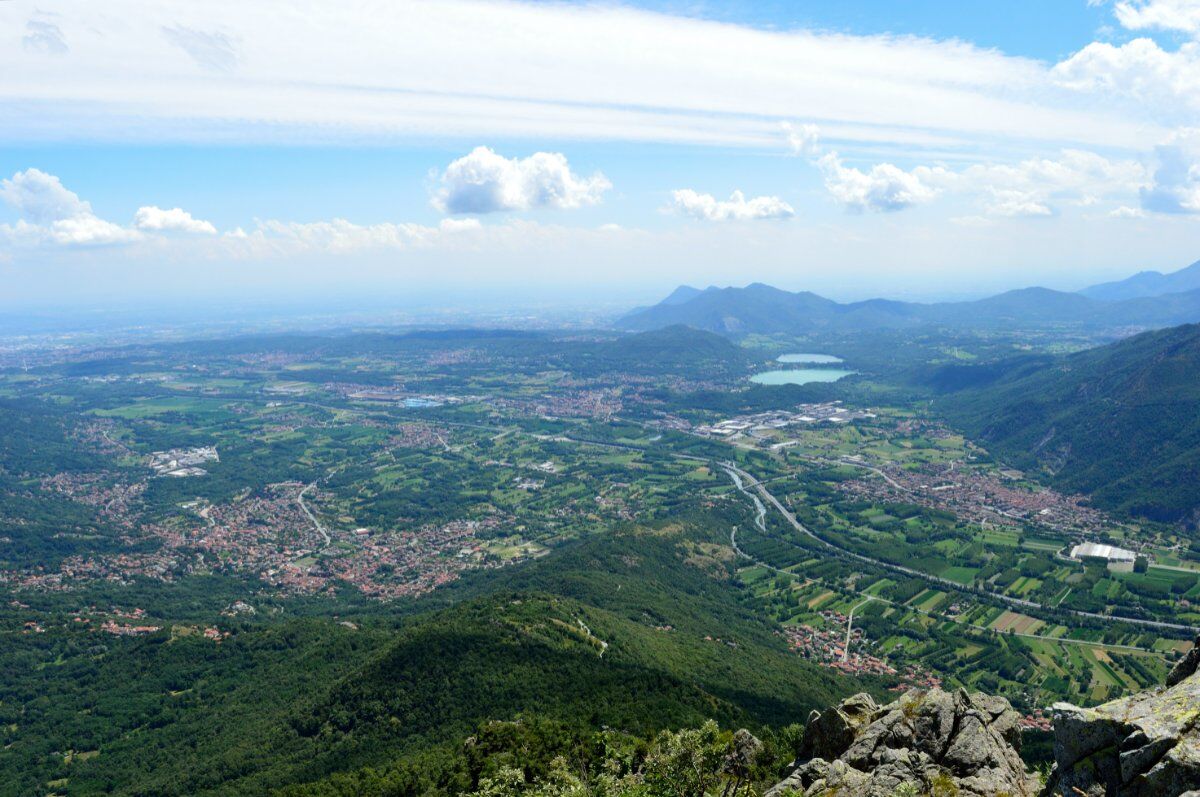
(1147, 283)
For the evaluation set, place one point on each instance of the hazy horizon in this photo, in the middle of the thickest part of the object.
(172, 153)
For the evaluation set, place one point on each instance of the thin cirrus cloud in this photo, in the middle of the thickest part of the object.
(486, 182)
(687, 202)
(42, 35)
(209, 49)
(361, 69)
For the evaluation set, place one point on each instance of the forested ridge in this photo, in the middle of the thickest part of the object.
(614, 633)
(1120, 422)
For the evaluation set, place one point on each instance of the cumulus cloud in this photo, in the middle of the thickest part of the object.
(1175, 187)
(1027, 188)
(803, 139)
(1126, 212)
(88, 230)
(171, 220)
(1176, 15)
(52, 212)
(485, 182)
(884, 187)
(737, 208)
(1139, 70)
(1017, 203)
(41, 197)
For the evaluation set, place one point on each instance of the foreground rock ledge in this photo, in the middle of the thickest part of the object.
(930, 742)
(1144, 745)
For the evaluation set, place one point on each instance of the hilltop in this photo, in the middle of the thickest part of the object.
(1147, 283)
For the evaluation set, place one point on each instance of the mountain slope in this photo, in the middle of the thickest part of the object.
(298, 701)
(1147, 283)
(1120, 422)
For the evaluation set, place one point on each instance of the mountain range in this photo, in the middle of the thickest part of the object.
(1147, 283)
(1146, 301)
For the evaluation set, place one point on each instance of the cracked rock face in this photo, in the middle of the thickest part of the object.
(930, 742)
(1144, 745)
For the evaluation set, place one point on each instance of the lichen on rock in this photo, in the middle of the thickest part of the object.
(1144, 745)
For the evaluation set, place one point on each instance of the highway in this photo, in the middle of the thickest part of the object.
(745, 478)
(741, 479)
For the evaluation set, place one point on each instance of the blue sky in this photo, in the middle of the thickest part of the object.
(1034, 28)
(169, 151)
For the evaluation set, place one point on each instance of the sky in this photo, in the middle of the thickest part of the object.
(179, 153)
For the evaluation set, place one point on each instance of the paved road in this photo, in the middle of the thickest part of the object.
(742, 478)
(850, 627)
(747, 479)
(316, 523)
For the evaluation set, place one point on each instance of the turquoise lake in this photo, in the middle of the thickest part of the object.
(799, 376)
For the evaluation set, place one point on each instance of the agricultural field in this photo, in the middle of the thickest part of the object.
(319, 474)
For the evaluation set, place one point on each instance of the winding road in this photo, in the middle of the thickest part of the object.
(741, 479)
(316, 523)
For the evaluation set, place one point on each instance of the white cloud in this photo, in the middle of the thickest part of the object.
(53, 213)
(1126, 212)
(170, 220)
(1164, 82)
(1177, 15)
(340, 236)
(1017, 203)
(211, 50)
(361, 69)
(803, 139)
(41, 197)
(884, 187)
(1026, 188)
(1029, 187)
(736, 208)
(43, 36)
(87, 230)
(1175, 187)
(484, 182)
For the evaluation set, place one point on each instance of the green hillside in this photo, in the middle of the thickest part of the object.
(1120, 422)
(618, 632)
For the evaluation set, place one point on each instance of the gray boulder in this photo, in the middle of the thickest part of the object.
(1144, 745)
(929, 742)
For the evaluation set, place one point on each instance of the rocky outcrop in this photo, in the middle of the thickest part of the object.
(1144, 745)
(930, 742)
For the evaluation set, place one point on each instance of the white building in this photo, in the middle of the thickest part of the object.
(1092, 550)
